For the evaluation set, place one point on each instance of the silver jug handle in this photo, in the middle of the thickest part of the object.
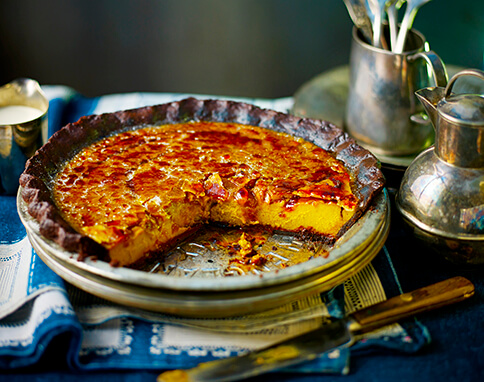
(440, 78)
(436, 64)
(466, 72)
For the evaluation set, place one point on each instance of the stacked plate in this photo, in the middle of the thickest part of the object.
(194, 279)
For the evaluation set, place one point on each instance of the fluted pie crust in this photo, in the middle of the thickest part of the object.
(127, 185)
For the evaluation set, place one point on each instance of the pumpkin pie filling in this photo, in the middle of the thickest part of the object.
(140, 191)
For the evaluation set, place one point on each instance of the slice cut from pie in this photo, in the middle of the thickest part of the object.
(135, 183)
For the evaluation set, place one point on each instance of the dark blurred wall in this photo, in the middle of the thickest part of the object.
(261, 48)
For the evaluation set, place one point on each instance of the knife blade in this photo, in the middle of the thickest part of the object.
(339, 333)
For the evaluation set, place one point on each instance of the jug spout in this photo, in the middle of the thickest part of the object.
(429, 98)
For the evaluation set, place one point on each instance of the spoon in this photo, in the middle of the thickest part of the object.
(408, 18)
(378, 7)
(392, 11)
(358, 14)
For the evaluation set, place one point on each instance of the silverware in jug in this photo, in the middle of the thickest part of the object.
(370, 16)
(407, 22)
(392, 11)
(359, 16)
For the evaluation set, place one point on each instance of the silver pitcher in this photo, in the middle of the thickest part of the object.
(382, 112)
(20, 139)
(442, 192)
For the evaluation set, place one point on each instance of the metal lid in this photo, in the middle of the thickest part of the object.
(463, 108)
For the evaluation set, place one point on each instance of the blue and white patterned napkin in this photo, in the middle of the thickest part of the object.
(36, 305)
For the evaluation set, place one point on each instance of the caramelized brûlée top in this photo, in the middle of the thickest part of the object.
(152, 184)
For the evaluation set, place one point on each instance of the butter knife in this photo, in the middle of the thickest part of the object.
(339, 333)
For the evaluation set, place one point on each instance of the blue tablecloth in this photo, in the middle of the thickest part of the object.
(455, 352)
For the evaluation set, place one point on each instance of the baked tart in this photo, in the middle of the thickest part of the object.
(128, 185)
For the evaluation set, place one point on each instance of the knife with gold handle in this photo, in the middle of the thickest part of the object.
(338, 333)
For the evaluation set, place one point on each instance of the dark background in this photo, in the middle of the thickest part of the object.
(256, 48)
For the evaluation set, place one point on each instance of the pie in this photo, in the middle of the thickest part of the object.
(128, 185)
